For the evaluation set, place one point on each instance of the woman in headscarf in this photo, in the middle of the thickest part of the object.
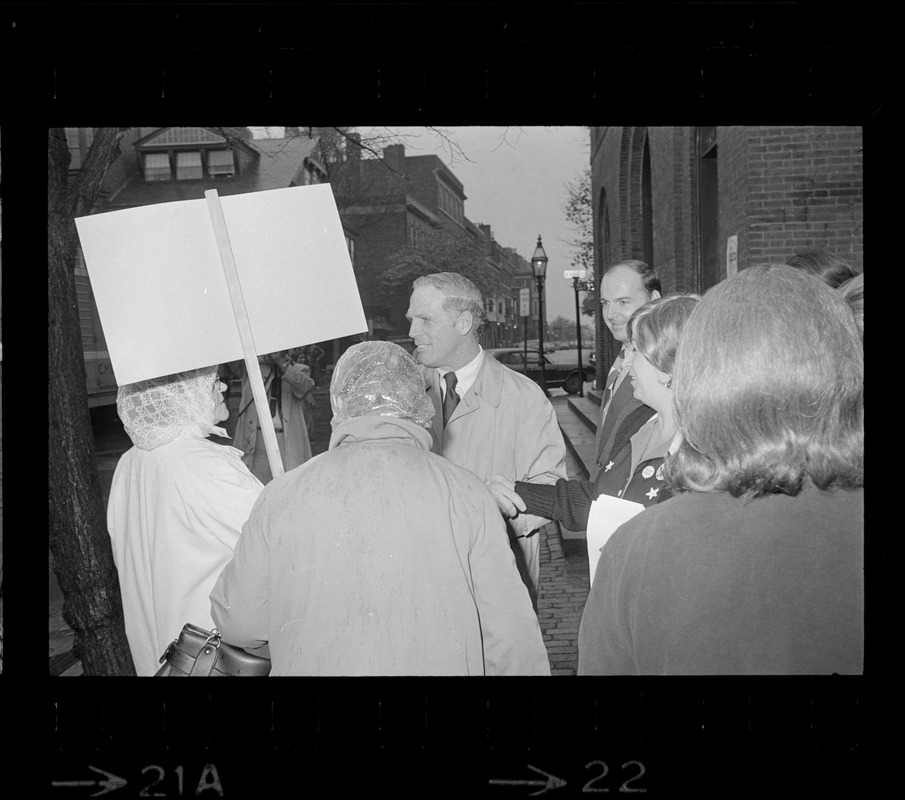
(177, 505)
(379, 557)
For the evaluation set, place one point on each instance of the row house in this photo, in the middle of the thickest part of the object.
(161, 165)
(700, 203)
(412, 209)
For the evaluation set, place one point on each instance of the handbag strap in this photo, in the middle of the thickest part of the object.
(207, 658)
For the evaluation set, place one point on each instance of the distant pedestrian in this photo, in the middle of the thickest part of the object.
(314, 358)
(177, 505)
(288, 387)
(756, 565)
(490, 419)
(379, 557)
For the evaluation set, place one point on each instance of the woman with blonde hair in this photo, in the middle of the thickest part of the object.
(756, 565)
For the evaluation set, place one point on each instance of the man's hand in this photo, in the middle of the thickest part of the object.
(506, 497)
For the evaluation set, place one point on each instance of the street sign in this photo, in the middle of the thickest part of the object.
(575, 273)
(732, 256)
(524, 297)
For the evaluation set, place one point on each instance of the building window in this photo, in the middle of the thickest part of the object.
(157, 167)
(450, 204)
(79, 140)
(220, 163)
(75, 151)
(419, 235)
(188, 166)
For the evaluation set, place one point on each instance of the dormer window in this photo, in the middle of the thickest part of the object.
(188, 166)
(157, 167)
(191, 154)
(450, 204)
(220, 163)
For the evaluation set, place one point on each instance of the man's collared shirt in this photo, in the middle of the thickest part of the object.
(465, 376)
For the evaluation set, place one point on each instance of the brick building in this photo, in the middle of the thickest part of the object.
(398, 204)
(676, 197)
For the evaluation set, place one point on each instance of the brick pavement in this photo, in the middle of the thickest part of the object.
(561, 597)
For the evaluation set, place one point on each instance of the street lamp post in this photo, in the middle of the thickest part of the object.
(577, 286)
(539, 267)
(579, 283)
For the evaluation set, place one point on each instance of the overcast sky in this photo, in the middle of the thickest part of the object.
(515, 180)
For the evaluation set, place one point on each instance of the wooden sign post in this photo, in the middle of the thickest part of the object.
(245, 334)
(192, 283)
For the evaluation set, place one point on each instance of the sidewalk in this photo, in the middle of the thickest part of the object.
(563, 568)
(564, 579)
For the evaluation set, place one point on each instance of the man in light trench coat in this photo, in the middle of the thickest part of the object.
(493, 421)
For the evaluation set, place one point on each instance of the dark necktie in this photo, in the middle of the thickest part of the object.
(610, 388)
(452, 399)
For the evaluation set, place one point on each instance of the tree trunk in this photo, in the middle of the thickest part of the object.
(83, 557)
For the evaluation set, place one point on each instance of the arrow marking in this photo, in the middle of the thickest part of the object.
(552, 782)
(110, 783)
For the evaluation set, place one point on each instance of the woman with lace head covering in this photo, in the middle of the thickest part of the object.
(177, 505)
(379, 557)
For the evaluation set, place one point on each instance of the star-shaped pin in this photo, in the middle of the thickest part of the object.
(652, 493)
(609, 466)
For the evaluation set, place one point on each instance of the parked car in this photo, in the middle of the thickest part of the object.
(565, 376)
(549, 347)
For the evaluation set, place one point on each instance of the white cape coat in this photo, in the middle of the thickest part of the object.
(174, 516)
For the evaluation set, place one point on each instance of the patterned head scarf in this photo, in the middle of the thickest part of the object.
(379, 379)
(160, 410)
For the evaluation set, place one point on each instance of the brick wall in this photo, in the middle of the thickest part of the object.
(732, 174)
(809, 192)
(780, 190)
(606, 161)
(666, 202)
(382, 235)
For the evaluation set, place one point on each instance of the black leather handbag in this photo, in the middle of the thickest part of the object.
(198, 653)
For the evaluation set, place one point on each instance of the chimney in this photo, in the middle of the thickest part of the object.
(394, 157)
(353, 151)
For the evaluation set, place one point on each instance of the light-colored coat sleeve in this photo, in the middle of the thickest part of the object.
(539, 459)
(240, 597)
(504, 425)
(513, 643)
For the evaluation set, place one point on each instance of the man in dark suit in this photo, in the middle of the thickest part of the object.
(625, 287)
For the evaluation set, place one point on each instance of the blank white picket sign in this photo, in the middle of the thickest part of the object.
(161, 293)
